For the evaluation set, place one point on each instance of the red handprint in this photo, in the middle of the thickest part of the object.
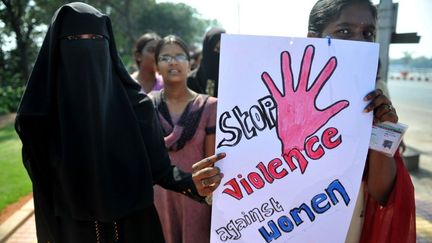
(297, 114)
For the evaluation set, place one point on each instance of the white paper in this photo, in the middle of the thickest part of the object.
(386, 137)
(260, 191)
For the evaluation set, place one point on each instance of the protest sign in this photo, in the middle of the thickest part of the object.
(290, 118)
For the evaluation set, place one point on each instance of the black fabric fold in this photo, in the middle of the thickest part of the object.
(209, 66)
(92, 143)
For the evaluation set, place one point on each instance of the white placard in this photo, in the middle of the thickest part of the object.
(291, 120)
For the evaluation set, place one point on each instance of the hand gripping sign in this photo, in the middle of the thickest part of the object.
(295, 145)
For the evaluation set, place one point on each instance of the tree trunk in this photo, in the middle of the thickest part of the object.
(24, 59)
(16, 23)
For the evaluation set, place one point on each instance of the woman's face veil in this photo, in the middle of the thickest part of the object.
(210, 58)
(84, 123)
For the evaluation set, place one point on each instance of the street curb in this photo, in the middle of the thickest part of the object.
(8, 227)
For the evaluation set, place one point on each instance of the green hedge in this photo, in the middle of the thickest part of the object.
(9, 98)
(14, 181)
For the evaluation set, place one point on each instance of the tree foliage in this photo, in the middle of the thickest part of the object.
(26, 21)
(182, 22)
(20, 19)
(408, 61)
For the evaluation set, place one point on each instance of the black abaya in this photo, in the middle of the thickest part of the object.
(92, 144)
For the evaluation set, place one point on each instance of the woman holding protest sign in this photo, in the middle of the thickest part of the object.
(92, 144)
(387, 212)
(188, 122)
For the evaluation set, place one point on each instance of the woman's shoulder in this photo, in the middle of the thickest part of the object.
(212, 100)
(207, 99)
(159, 84)
(209, 103)
(134, 75)
(155, 96)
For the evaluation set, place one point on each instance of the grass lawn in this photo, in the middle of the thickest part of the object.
(14, 181)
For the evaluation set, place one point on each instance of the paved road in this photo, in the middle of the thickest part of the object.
(413, 101)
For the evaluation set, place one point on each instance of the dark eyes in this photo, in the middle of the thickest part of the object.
(368, 34)
(83, 37)
(347, 33)
(343, 31)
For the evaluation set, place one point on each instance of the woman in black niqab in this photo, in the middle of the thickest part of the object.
(91, 142)
(205, 79)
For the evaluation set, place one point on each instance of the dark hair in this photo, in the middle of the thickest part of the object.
(326, 11)
(171, 39)
(142, 41)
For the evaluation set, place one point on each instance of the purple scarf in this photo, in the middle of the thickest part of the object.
(176, 135)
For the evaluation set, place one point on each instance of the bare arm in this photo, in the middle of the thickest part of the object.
(209, 145)
(382, 169)
(381, 176)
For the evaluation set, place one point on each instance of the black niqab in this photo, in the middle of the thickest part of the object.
(92, 144)
(209, 66)
(210, 59)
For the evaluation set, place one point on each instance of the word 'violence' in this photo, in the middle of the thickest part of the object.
(275, 169)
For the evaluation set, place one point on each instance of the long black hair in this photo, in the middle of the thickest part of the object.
(326, 11)
(142, 42)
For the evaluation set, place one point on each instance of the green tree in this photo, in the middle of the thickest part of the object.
(26, 21)
(22, 19)
(124, 15)
(131, 18)
(179, 19)
(407, 58)
(422, 62)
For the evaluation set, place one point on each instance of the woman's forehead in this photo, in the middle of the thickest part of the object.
(77, 23)
(356, 14)
(172, 47)
(151, 43)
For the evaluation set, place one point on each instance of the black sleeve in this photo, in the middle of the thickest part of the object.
(180, 181)
(164, 174)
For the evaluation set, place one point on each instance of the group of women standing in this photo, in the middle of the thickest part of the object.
(94, 144)
(92, 141)
(187, 115)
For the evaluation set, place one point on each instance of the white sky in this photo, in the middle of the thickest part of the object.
(290, 17)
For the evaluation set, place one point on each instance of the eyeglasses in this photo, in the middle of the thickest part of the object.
(169, 59)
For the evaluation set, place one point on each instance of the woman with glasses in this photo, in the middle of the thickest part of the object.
(146, 74)
(188, 123)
